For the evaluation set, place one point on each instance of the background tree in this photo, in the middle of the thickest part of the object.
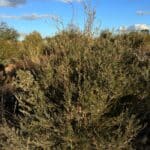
(8, 33)
(32, 45)
(8, 42)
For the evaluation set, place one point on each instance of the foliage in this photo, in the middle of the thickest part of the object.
(7, 33)
(8, 43)
(85, 92)
(32, 46)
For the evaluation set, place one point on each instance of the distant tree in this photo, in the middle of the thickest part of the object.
(146, 31)
(32, 45)
(106, 34)
(33, 37)
(33, 41)
(8, 33)
(8, 43)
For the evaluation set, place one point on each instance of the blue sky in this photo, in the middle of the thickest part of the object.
(29, 15)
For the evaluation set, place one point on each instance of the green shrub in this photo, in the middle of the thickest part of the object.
(90, 93)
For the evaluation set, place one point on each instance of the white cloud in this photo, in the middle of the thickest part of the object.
(11, 3)
(14, 3)
(35, 16)
(136, 27)
(122, 29)
(30, 17)
(142, 13)
(70, 1)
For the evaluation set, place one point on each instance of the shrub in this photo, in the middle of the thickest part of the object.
(90, 93)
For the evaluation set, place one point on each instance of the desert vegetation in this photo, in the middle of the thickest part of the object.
(74, 90)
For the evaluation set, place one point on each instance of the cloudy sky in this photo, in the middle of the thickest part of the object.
(40, 15)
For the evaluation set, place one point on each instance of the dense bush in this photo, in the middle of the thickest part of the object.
(8, 43)
(84, 93)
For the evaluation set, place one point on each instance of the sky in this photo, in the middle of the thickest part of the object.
(41, 15)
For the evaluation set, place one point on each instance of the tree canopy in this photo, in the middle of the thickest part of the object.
(8, 33)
